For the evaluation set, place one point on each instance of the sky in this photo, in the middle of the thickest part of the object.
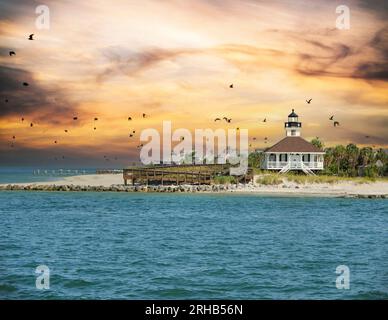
(175, 60)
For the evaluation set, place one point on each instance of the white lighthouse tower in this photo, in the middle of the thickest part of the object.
(293, 126)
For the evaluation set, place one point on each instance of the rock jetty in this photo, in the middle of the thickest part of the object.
(218, 188)
(122, 188)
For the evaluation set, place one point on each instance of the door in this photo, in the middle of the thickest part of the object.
(295, 160)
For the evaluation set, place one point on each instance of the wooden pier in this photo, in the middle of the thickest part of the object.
(180, 174)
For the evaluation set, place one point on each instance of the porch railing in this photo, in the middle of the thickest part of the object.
(293, 165)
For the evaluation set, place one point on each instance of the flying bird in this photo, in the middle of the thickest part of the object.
(13, 137)
(129, 118)
(25, 84)
(31, 124)
(217, 119)
(55, 141)
(265, 120)
(133, 131)
(94, 128)
(336, 123)
(66, 130)
(12, 53)
(144, 115)
(130, 135)
(22, 119)
(231, 86)
(331, 118)
(31, 37)
(309, 101)
(95, 119)
(75, 118)
(367, 137)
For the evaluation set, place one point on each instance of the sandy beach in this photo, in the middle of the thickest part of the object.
(342, 188)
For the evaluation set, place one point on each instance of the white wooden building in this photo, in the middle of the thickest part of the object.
(293, 152)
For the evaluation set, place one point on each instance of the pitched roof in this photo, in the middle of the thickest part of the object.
(293, 144)
(293, 114)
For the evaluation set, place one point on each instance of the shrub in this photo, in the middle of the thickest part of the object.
(269, 180)
(224, 180)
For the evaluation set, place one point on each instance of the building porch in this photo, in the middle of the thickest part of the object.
(284, 162)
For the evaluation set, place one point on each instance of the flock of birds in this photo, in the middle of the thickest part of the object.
(75, 118)
(133, 132)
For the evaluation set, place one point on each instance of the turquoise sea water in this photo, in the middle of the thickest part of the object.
(188, 246)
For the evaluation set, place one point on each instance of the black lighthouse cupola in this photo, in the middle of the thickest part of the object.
(293, 126)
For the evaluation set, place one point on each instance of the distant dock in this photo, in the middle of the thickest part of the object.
(109, 171)
(59, 172)
(73, 172)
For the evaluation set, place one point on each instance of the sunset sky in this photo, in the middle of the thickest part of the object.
(174, 60)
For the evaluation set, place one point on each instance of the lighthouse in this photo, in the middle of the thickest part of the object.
(293, 126)
(293, 152)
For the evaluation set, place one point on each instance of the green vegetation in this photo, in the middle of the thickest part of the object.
(318, 143)
(269, 179)
(350, 161)
(258, 171)
(224, 180)
(255, 159)
(272, 178)
(304, 179)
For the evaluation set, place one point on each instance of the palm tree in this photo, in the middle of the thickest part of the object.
(352, 153)
(339, 154)
(365, 156)
(318, 143)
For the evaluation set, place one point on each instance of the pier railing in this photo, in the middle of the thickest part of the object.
(278, 165)
(179, 174)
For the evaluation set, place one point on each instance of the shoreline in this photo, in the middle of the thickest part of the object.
(114, 183)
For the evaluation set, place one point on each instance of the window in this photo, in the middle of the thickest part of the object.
(283, 157)
(272, 157)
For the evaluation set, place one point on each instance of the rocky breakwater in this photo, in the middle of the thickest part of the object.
(122, 188)
(219, 188)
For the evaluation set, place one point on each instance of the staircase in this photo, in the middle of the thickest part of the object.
(285, 168)
(300, 165)
(307, 170)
